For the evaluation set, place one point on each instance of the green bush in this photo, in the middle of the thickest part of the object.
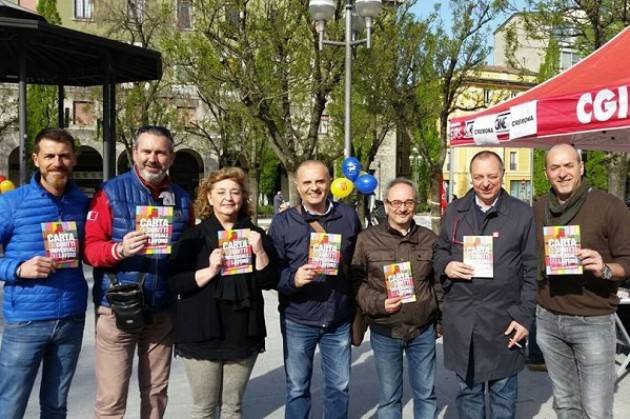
(265, 210)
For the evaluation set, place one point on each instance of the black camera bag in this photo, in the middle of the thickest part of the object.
(127, 304)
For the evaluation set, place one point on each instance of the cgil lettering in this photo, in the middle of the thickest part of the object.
(603, 106)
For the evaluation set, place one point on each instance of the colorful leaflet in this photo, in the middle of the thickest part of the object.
(399, 282)
(62, 243)
(478, 254)
(324, 251)
(561, 246)
(237, 252)
(157, 223)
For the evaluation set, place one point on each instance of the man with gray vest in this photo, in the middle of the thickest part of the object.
(123, 253)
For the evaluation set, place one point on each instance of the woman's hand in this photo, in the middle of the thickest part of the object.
(255, 241)
(216, 259)
(205, 275)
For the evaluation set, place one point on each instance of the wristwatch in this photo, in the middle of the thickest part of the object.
(607, 273)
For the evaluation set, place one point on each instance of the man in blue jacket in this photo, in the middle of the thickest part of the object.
(315, 308)
(115, 248)
(45, 293)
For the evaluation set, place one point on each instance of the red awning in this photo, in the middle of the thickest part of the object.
(586, 105)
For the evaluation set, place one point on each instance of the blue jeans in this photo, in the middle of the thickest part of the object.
(502, 395)
(388, 358)
(25, 345)
(580, 356)
(534, 354)
(299, 348)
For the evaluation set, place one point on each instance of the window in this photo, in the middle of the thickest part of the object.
(184, 15)
(513, 160)
(136, 10)
(187, 115)
(232, 17)
(83, 112)
(521, 189)
(568, 58)
(324, 125)
(83, 9)
(487, 96)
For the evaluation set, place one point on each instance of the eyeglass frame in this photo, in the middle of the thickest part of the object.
(398, 204)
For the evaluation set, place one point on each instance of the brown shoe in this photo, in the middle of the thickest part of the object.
(540, 367)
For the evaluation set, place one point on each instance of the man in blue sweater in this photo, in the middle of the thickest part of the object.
(45, 293)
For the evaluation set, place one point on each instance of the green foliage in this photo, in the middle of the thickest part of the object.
(270, 174)
(153, 102)
(265, 210)
(596, 168)
(48, 9)
(551, 65)
(541, 185)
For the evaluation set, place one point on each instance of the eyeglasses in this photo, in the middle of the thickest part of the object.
(397, 204)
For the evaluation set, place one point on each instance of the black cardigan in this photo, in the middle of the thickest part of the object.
(208, 326)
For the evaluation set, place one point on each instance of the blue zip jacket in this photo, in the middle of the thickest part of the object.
(64, 293)
(328, 300)
(124, 193)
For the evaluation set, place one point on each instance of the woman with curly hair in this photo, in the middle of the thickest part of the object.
(220, 325)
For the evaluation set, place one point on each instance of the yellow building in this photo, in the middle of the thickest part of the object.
(491, 85)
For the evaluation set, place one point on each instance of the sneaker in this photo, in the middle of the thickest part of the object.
(540, 367)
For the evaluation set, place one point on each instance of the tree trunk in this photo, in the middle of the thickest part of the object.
(436, 196)
(252, 185)
(294, 197)
(618, 174)
(362, 209)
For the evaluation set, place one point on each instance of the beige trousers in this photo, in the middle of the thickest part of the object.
(114, 363)
(218, 385)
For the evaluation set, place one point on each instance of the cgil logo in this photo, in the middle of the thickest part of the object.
(603, 106)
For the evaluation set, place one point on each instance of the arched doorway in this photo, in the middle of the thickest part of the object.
(187, 170)
(123, 163)
(88, 172)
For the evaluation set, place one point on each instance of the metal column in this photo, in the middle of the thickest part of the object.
(61, 120)
(22, 116)
(109, 130)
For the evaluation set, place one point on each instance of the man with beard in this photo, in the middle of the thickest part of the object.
(116, 250)
(45, 293)
(315, 308)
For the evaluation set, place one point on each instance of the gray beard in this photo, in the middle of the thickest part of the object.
(154, 178)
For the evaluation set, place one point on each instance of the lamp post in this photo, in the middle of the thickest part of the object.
(324, 10)
(414, 161)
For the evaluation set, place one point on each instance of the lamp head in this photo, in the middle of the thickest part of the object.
(368, 8)
(322, 9)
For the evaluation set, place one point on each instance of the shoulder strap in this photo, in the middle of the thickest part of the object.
(313, 223)
(113, 280)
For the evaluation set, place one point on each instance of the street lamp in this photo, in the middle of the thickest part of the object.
(324, 10)
(414, 161)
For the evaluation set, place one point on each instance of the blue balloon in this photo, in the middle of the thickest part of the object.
(351, 167)
(366, 184)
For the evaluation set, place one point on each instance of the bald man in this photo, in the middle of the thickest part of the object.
(575, 313)
(315, 309)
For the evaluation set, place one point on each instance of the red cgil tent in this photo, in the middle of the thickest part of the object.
(586, 105)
